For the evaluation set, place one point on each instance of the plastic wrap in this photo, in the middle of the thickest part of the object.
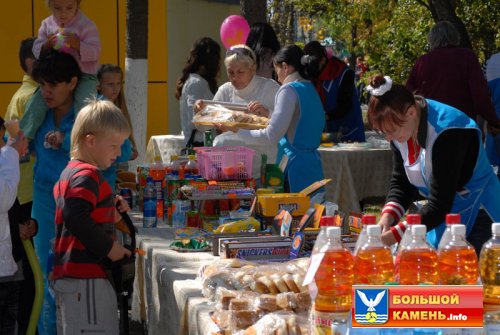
(214, 114)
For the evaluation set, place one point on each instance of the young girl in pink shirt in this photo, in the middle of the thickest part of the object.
(70, 31)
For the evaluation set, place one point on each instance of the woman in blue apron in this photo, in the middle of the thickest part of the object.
(58, 74)
(438, 154)
(297, 122)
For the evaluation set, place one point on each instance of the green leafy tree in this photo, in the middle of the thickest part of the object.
(393, 33)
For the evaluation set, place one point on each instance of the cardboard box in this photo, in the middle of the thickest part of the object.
(295, 203)
(262, 248)
(217, 239)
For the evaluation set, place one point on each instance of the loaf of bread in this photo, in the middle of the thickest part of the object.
(267, 302)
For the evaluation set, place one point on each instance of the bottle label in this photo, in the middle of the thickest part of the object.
(149, 216)
(329, 323)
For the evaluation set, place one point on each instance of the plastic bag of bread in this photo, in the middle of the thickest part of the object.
(213, 114)
(280, 323)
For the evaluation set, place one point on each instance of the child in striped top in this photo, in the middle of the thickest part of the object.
(67, 30)
(85, 219)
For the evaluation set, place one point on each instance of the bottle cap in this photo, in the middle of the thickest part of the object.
(458, 229)
(174, 157)
(413, 219)
(418, 229)
(374, 230)
(368, 219)
(191, 157)
(495, 228)
(453, 218)
(332, 232)
(157, 158)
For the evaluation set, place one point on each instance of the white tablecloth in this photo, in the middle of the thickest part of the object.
(167, 295)
(164, 146)
(356, 174)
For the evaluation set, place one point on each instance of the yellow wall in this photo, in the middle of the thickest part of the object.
(22, 18)
(173, 27)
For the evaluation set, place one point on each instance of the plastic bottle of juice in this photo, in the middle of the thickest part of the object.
(450, 219)
(157, 172)
(175, 166)
(373, 263)
(149, 214)
(418, 261)
(367, 220)
(333, 279)
(489, 268)
(411, 219)
(191, 169)
(457, 260)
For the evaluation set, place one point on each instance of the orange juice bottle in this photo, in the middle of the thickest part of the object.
(450, 220)
(457, 260)
(367, 220)
(333, 278)
(373, 263)
(418, 261)
(411, 219)
(489, 267)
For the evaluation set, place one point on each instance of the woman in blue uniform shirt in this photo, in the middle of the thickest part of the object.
(438, 153)
(58, 74)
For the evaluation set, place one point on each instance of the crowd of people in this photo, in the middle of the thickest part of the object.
(73, 112)
(72, 109)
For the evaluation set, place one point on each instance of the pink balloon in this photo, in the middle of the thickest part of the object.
(234, 30)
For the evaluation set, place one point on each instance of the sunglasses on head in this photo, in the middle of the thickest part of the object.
(236, 50)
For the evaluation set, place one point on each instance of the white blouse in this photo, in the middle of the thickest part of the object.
(195, 87)
(9, 178)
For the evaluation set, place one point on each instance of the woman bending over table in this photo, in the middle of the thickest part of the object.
(437, 153)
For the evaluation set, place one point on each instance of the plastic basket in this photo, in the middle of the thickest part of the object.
(223, 163)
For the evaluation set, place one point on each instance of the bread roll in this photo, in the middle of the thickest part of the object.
(299, 279)
(280, 283)
(243, 319)
(290, 283)
(303, 301)
(291, 325)
(239, 304)
(225, 298)
(286, 301)
(267, 302)
(269, 284)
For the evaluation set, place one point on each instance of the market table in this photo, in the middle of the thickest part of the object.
(356, 173)
(166, 295)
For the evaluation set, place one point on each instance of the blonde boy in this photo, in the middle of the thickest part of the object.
(85, 218)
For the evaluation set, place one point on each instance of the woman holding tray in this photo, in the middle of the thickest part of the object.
(297, 123)
(246, 87)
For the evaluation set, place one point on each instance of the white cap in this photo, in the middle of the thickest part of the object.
(495, 228)
(458, 229)
(418, 229)
(333, 232)
(373, 230)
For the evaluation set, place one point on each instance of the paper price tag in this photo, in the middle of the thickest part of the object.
(313, 267)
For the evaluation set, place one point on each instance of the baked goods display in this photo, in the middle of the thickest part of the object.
(253, 298)
(212, 115)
